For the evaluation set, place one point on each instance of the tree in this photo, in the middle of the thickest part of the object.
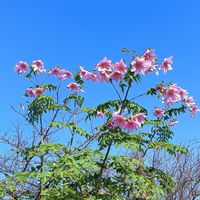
(86, 163)
(184, 168)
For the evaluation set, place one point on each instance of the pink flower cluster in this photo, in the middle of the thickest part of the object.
(74, 87)
(147, 63)
(36, 66)
(34, 92)
(62, 74)
(106, 71)
(128, 123)
(21, 67)
(159, 113)
(173, 94)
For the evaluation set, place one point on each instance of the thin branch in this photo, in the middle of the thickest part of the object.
(116, 90)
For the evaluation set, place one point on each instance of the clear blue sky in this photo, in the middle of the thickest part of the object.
(73, 33)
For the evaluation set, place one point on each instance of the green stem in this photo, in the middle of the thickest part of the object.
(152, 136)
(138, 96)
(116, 90)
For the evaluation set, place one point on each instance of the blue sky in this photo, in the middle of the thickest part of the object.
(73, 33)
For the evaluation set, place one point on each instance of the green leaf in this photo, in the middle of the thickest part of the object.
(75, 98)
(40, 105)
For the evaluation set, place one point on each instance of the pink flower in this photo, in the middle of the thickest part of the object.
(103, 77)
(30, 92)
(119, 120)
(92, 77)
(74, 87)
(139, 65)
(189, 101)
(139, 118)
(99, 114)
(38, 66)
(131, 124)
(150, 55)
(150, 58)
(150, 67)
(171, 95)
(116, 75)
(83, 72)
(158, 112)
(38, 63)
(183, 93)
(21, 67)
(166, 65)
(56, 71)
(120, 67)
(88, 75)
(64, 74)
(38, 91)
(193, 110)
(104, 65)
(34, 92)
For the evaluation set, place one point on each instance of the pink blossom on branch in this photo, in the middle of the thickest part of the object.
(166, 65)
(21, 67)
(139, 118)
(38, 91)
(74, 87)
(193, 110)
(120, 67)
(150, 58)
(103, 76)
(158, 112)
(38, 66)
(55, 71)
(183, 93)
(34, 92)
(171, 95)
(83, 72)
(150, 55)
(64, 75)
(139, 65)
(150, 68)
(116, 75)
(118, 120)
(88, 75)
(38, 63)
(92, 77)
(30, 92)
(130, 124)
(104, 65)
(189, 101)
